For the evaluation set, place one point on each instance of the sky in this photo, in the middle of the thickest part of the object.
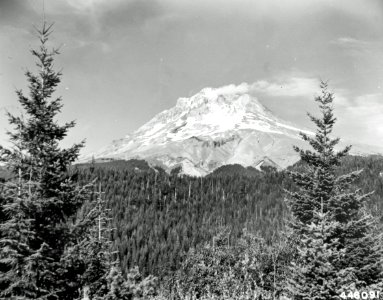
(124, 61)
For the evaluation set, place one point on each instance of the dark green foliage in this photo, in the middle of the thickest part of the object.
(130, 287)
(236, 169)
(314, 274)
(38, 227)
(155, 232)
(158, 217)
(337, 236)
(97, 250)
(102, 277)
(134, 165)
(16, 255)
(248, 268)
(4, 174)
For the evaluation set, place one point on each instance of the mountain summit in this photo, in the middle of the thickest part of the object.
(213, 128)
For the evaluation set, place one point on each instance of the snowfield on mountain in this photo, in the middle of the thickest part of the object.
(215, 127)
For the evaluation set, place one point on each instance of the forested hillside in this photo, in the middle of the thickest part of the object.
(158, 217)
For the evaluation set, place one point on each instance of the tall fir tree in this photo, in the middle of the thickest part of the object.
(347, 238)
(44, 214)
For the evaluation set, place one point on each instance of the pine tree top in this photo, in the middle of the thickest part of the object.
(37, 135)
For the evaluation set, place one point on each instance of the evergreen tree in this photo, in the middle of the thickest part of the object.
(316, 275)
(15, 252)
(131, 287)
(46, 212)
(96, 249)
(347, 236)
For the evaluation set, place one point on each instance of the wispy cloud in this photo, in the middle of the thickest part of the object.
(119, 13)
(295, 86)
(87, 4)
(355, 45)
(348, 41)
(359, 115)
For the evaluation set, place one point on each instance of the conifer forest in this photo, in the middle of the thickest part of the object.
(125, 229)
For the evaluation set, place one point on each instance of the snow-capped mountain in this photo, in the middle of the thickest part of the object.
(215, 127)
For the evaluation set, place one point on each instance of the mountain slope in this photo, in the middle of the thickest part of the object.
(213, 128)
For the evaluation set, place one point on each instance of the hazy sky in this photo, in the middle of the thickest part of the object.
(124, 61)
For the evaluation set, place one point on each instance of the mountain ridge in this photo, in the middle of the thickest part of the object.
(215, 127)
